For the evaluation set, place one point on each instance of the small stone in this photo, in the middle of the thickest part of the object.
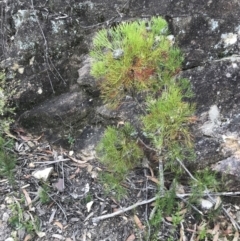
(31, 164)
(208, 128)
(238, 216)
(214, 114)
(5, 217)
(58, 236)
(9, 239)
(40, 91)
(171, 39)
(86, 188)
(43, 174)
(89, 206)
(30, 144)
(74, 220)
(229, 39)
(59, 185)
(205, 204)
(118, 53)
(94, 174)
(2, 206)
(9, 200)
(89, 235)
(41, 234)
(20, 70)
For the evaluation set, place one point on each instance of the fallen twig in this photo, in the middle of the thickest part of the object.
(181, 196)
(61, 208)
(193, 207)
(161, 176)
(123, 210)
(188, 172)
(80, 162)
(146, 210)
(51, 162)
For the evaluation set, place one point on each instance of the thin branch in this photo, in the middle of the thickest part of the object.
(98, 24)
(187, 171)
(63, 176)
(123, 210)
(145, 145)
(180, 196)
(161, 176)
(192, 206)
(51, 162)
(59, 206)
(146, 209)
(161, 182)
(225, 194)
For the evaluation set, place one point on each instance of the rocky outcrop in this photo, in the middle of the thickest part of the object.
(44, 51)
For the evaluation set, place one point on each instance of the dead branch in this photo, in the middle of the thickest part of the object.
(181, 196)
(123, 210)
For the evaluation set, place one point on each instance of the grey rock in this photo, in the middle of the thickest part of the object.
(9, 239)
(43, 174)
(45, 54)
(5, 217)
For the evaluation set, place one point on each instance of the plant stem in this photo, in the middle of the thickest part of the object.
(161, 176)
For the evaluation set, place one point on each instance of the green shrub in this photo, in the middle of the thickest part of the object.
(137, 57)
(21, 220)
(133, 57)
(7, 160)
(130, 59)
(119, 151)
(4, 107)
(43, 193)
(204, 180)
(167, 123)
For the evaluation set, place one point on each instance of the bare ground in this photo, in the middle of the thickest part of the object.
(76, 197)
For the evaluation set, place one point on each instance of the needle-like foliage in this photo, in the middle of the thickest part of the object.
(128, 58)
(167, 122)
(7, 160)
(4, 107)
(119, 152)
